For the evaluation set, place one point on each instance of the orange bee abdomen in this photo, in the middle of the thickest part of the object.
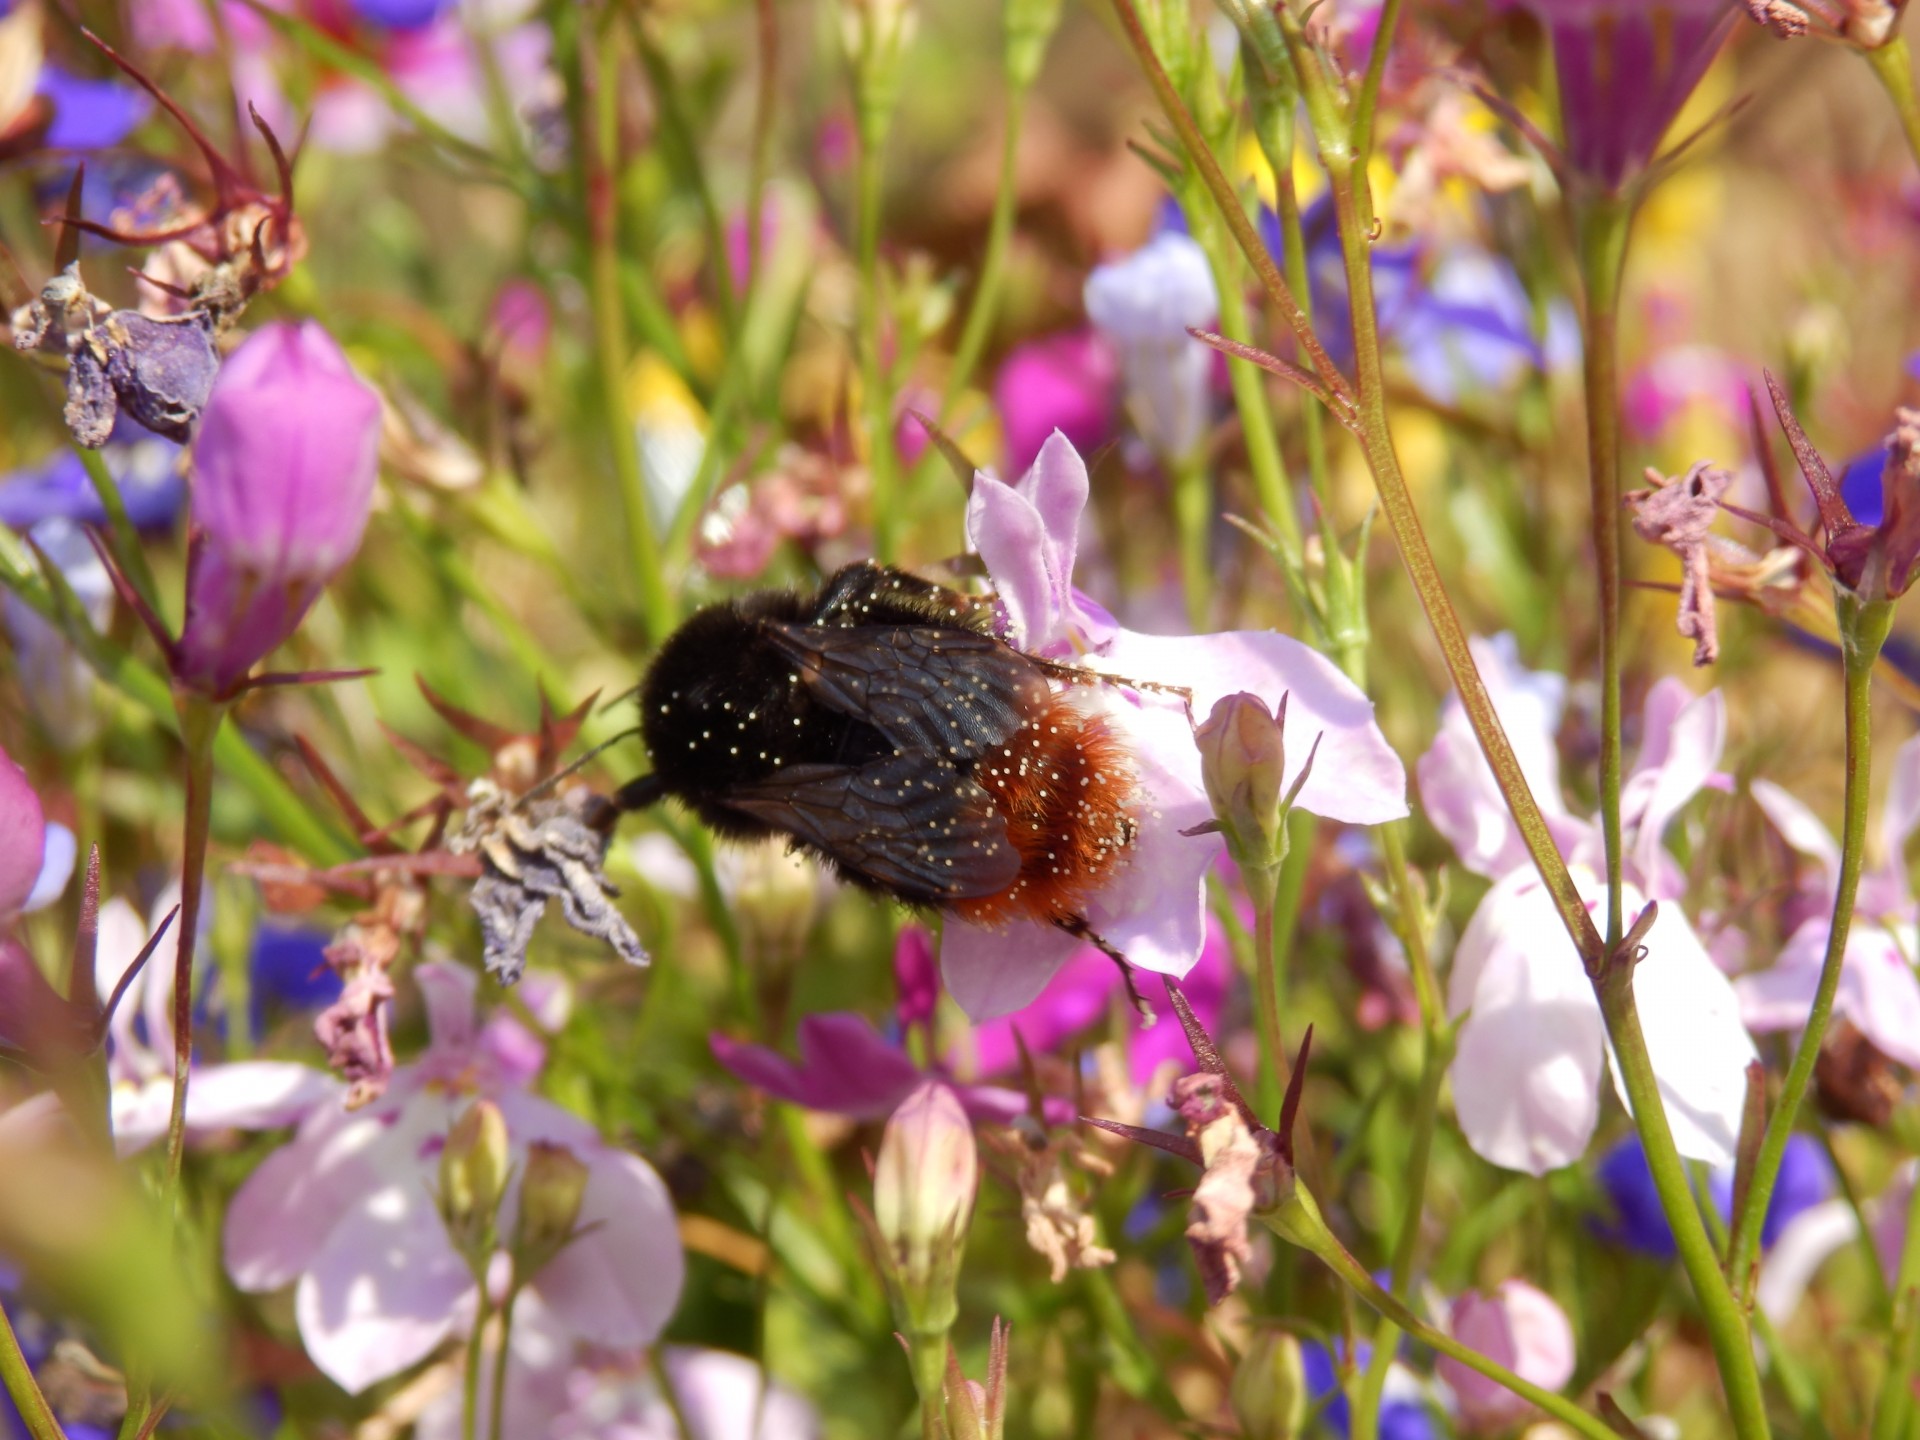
(1067, 790)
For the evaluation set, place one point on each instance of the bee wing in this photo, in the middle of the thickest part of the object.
(949, 693)
(913, 825)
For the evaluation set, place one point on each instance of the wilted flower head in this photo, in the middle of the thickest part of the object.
(1517, 1326)
(1143, 304)
(284, 466)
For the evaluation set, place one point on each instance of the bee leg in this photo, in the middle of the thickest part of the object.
(1077, 926)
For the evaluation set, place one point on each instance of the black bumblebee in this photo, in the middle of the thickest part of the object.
(883, 727)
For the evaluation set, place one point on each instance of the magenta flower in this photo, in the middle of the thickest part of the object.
(1626, 67)
(1519, 1327)
(346, 1213)
(1060, 382)
(1153, 908)
(847, 1068)
(1526, 1074)
(284, 464)
(1878, 991)
(23, 838)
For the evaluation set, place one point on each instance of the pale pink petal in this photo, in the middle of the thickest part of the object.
(1879, 993)
(1798, 826)
(156, 988)
(1357, 777)
(448, 992)
(1012, 539)
(246, 1095)
(1691, 1018)
(1803, 1247)
(1900, 809)
(541, 1359)
(22, 836)
(381, 1294)
(617, 1285)
(1526, 1073)
(1780, 997)
(845, 1067)
(721, 1395)
(122, 933)
(60, 852)
(1057, 487)
(1079, 993)
(995, 972)
(1678, 758)
(1519, 1327)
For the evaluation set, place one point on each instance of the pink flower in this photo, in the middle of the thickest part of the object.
(1153, 908)
(1518, 1327)
(242, 1095)
(346, 1214)
(23, 838)
(1060, 382)
(1878, 991)
(284, 464)
(1526, 1074)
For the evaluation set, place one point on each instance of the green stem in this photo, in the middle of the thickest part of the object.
(1263, 888)
(23, 1388)
(497, 1403)
(1724, 1315)
(1603, 231)
(1894, 67)
(766, 92)
(598, 60)
(1895, 1405)
(1863, 630)
(199, 722)
(993, 263)
(1366, 107)
(1299, 1221)
(1192, 510)
(928, 1356)
(874, 397)
(470, 1377)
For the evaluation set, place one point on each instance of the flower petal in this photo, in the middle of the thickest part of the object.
(1900, 809)
(448, 991)
(382, 1292)
(1526, 1073)
(1678, 758)
(22, 836)
(618, 1283)
(1356, 776)
(845, 1067)
(246, 1095)
(1012, 538)
(1798, 826)
(995, 972)
(1699, 1048)
(1803, 1247)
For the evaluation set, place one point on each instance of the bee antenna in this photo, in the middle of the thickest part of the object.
(639, 794)
(554, 779)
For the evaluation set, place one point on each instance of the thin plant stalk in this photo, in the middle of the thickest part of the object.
(1263, 888)
(23, 1388)
(1192, 509)
(1894, 1414)
(1301, 1223)
(987, 292)
(759, 156)
(1863, 630)
(1603, 226)
(601, 100)
(470, 1377)
(199, 723)
(875, 398)
(502, 1357)
(927, 1354)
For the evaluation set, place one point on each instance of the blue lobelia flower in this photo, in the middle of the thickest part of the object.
(1402, 1414)
(89, 114)
(144, 465)
(400, 14)
(1639, 1224)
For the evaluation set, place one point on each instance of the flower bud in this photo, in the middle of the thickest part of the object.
(1243, 766)
(473, 1177)
(23, 837)
(1269, 1391)
(923, 1188)
(1522, 1329)
(284, 464)
(550, 1196)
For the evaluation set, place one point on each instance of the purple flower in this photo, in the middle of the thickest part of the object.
(1060, 382)
(400, 14)
(89, 114)
(1625, 68)
(1526, 1074)
(1638, 1223)
(1153, 908)
(1519, 1327)
(1878, 991)
(284, 464)
(143, 465)
(1143, 304)
(57, 683)
(346, 1214)
(1403, 1410)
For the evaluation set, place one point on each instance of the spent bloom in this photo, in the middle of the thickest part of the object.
(1143, 304)
(1878, 991)
(284, 465)
(345, 1213)
(1526, 1075)
(1523, 1329)
(1152, 909)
